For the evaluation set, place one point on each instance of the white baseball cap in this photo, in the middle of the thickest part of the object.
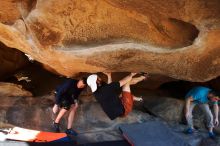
(91, 82)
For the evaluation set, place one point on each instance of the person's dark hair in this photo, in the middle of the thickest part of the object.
(84, 79)
(214, 93)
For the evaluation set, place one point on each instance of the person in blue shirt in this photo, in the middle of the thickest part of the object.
(202, 96)
(66, 97)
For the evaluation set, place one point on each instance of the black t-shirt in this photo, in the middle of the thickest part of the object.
(109, 100)
(68, 91)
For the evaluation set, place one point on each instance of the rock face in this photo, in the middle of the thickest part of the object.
(36, 113)
(10, 60)
(179, 39)
(9, 90)
(167, 108)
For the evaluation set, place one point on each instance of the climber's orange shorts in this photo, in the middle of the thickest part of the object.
(127, 101)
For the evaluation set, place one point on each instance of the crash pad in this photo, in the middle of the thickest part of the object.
(153, 133)
(105, 143)
(28, 135)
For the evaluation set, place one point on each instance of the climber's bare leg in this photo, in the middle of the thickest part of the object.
(137, 80)
(126, 80)
(60, 115)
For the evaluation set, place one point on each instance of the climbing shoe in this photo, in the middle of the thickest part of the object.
(71, 132)
(189, 131)
(56, 127)
(211, 135)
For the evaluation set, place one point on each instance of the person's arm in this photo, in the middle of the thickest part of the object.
(187, 105)
(216, 111)
(55, 108)
(109, 75)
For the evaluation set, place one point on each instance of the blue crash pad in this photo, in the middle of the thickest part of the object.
(151, 134)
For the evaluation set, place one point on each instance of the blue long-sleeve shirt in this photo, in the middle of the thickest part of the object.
(68, 90)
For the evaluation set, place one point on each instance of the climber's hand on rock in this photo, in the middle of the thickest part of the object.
(107, 73)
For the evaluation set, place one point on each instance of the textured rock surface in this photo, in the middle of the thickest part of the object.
(32, 112)
(179, 39)
(9, 89)
(169, 109)
(10, 60)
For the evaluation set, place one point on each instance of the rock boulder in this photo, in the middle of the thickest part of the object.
(179, 39)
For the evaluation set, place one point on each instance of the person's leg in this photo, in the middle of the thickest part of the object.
(189, 119)
(71, 115)
(60, 115)
(69, 130)
(127, 99)
(126, 87)
(126, 79)
(56, 123)
(209, 116)
(137, 80)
